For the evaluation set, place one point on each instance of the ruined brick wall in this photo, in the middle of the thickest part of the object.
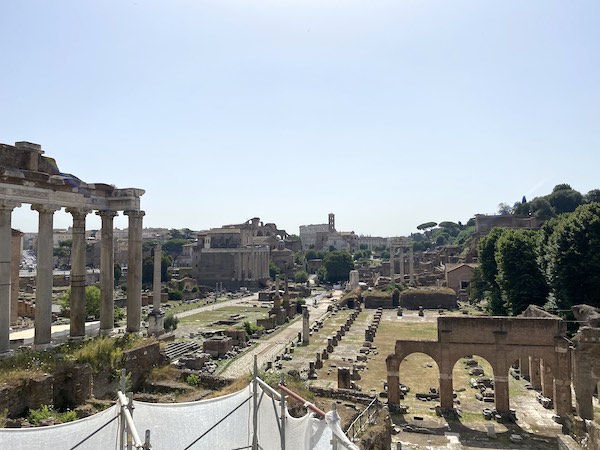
(29, 393)
(139, 361)
(72, 386)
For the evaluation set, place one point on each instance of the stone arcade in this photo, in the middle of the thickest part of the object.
(501, 341)
(28, 177)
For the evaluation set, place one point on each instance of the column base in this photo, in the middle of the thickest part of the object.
(106, 332)
(43, 347)
(156, 323)
(76, 338)
(6, 354)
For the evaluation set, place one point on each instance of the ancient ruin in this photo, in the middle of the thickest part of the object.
(501, 341)
(28, 177)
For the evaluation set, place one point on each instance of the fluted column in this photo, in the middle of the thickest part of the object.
(6, 208)
(78, 272)
(134, 271)
(392, 263)
(43, 283)
(107, 273)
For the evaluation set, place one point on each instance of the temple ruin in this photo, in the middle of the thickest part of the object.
(28, 177)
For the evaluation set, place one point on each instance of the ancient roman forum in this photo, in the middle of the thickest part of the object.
(28, 177)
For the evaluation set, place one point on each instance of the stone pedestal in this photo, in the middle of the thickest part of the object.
(318, 362)
(344, 381)
(325, 354)
(156, 323)
(305, 324)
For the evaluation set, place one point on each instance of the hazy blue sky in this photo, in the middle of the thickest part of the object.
(387, 113)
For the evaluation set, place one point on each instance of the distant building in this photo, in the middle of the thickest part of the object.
(236, 255)
(325, 236)
(484, 223)
(458, 276)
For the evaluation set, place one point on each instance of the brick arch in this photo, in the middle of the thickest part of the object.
(500, 340)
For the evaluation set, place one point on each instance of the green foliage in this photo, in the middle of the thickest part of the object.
(251, 328)
(193, 380)
(171, 322)
(101, 353)
(299, 304)
(174, 247)
(301, 277)
(314, 254)
(118, 273)
(92, 301)
(571, 245)
(148, 269)
(426, 225)
(44, 412)
(337, 265)
(489, 271)
(119, 314)
(519, 277)
(175, 295)
(274, 270)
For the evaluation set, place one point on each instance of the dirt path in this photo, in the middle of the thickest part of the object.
(267, 349)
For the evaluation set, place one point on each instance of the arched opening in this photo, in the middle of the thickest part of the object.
(473, 384)
(419, 383)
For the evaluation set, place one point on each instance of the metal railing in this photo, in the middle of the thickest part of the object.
(365, 418)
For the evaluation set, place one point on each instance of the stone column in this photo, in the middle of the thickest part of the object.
(134, 271)
(392, 263)
(78, 273)
(16, 253)
(6, 208)
(107, 273)
(411, 265)
(305, 325)
(156, 323)
(402, 264)
(534, 372)
(43, 283)
(393, 379)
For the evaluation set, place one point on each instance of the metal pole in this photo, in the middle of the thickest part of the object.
(130, 425)
(123, 384)
(283, 419)
(147, 445)
(255, 406)
(334, 440)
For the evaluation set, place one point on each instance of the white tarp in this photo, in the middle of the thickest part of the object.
(67, 436)
(223, 423)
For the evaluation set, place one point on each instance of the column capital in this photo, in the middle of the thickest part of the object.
(43, 208)
(134, 213)
(78, 212)
(107, 213)
(9, 204)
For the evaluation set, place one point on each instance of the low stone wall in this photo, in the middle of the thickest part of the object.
(413, 298)
(343, 394)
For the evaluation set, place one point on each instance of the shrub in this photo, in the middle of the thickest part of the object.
(171, 322)
(193, 380)
(175, 295)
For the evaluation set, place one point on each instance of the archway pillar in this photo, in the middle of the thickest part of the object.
(524, 368)
(446, 390)
(562, 380)
(534, 372)
(546, 380)
(393, 379)
(501, 394)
